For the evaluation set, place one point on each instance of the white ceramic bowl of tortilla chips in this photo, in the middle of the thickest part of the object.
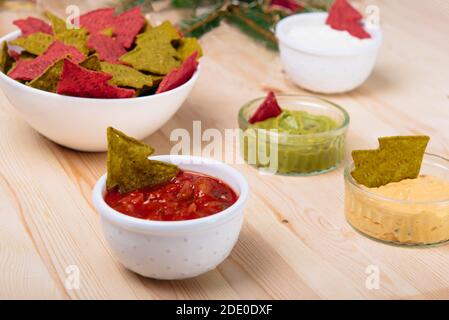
(175, 249)
(81, 123)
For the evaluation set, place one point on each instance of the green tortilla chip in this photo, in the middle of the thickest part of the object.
(159, 58)
(76, 37)
(49, 80)
(59, 26)
(129, 167)
(155, 52)
(6, 61)
(92, 63)
(126, 76)
(36, 43)
(396, 159)
(165, 33)
(188, 46)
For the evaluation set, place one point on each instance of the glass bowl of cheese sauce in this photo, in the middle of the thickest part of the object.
(412, 212)
(307, 138)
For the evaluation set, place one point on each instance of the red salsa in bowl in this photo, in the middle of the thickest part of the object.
(189, 195)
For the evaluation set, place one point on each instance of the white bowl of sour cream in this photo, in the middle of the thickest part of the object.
(321, 59)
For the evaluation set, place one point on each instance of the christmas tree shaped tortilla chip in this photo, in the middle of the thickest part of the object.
(154, 57)
(268, 109)
(30, 69)
(92, 63)
(108, 49)
(178, 77)
(343, 16)
(126, 76)
(188, 46)
(397, 158)
(80, 82)
(32, 25)
(48, 81)
(127, 25)
(164, 33)
(6, 61)
(36, 43)
(128, 165)
(124, 27)
(98, 20)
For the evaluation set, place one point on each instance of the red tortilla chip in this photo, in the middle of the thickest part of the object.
(80, 82)
(30, 69)
(268, 109)
(128, 25)
(343, 16)
(32, 25)
(98, 20)
(179, 76)
(108, 49)
(125, 26)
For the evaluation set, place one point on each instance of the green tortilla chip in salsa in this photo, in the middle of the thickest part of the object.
(156, 190)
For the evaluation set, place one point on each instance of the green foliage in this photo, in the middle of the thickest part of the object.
(256, 22)
(198, 25)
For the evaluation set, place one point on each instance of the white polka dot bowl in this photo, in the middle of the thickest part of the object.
(175, 249)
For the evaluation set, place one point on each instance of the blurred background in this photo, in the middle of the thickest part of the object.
(15, 9)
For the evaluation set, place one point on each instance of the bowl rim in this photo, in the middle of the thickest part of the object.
(172, 226)
(283, 38)
(366, 191)
(341, 129)
(46, 94)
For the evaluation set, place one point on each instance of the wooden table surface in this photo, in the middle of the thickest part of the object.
(295, 242)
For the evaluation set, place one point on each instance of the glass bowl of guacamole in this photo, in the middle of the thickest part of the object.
(307, 138)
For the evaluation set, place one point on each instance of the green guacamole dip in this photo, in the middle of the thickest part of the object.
(303, 147)
(297, 122)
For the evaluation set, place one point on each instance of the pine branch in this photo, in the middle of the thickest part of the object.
(256, 18)
(199, 25)
(253, 21)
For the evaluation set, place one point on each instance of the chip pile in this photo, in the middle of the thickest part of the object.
(108, 55)
(344, 17)
(396, 159)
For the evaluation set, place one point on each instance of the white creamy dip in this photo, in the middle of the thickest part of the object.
(323, 37)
